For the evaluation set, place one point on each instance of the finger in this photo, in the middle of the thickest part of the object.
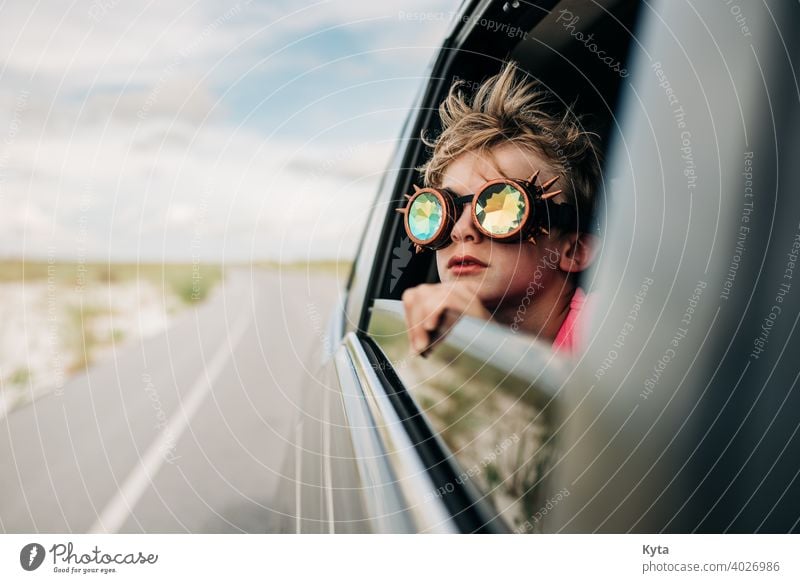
(411, 306)
(418, 336)
(430, 312)
(419, 339)
(468, 299)
(432, 316)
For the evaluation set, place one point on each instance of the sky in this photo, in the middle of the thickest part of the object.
(202, 131)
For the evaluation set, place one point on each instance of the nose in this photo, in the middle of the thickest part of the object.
(464, 229)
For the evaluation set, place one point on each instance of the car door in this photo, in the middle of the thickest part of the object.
(683, 410)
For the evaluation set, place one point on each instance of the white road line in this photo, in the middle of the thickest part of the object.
(327, 475)
(298, 474)
(119, 508)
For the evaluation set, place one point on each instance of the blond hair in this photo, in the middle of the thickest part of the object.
(506, 109)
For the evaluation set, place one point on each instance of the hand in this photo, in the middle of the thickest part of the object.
(428, 305)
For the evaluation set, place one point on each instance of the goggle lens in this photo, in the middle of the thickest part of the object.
(500, 209)
(425, 216)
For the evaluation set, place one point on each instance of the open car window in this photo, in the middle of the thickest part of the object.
(487, 392)
(489, 395)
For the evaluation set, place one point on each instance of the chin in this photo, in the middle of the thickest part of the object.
(489, 293)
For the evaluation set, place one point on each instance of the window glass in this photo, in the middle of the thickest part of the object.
(487, 393)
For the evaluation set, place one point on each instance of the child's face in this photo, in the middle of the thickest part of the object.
(510, 268)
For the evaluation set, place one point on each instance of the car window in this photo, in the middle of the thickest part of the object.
(487, 391)
(488, 394)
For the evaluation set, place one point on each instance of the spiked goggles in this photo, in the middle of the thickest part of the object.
(508, 211)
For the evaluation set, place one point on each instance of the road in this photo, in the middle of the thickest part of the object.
(183, 432)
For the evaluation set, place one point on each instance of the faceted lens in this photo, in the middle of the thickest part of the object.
(500, 209)
(425, 216)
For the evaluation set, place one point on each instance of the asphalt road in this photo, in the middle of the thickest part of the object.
(183, 432)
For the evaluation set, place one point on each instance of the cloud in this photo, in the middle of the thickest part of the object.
(125, 43)
(164, 131)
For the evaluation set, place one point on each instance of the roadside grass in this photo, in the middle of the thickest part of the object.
(20, 376)
(190, 282)
(332, 267)
(82, 312)
(85, 323)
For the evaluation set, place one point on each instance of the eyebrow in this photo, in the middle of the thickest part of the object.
(484, 178)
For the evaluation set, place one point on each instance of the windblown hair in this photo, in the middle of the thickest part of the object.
(507, 109)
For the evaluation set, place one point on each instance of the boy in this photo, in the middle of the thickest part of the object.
(505, 132)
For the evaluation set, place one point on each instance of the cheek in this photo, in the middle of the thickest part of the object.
(516, 265)
(513, 260)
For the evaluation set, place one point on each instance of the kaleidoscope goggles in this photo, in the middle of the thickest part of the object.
(503, 210)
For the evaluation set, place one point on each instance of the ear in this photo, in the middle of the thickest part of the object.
(577, 251)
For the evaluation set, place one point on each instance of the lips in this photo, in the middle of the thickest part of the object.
(465, 264)
(465, 260)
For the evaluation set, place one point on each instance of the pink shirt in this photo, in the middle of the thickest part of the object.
(567, 340)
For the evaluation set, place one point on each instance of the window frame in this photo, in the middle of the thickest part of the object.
(467, 507)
